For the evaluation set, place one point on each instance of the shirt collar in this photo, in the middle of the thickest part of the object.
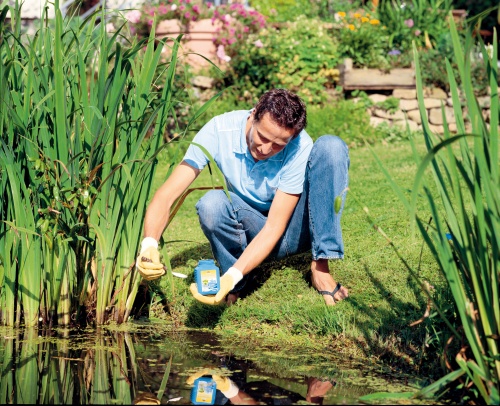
(242, 147)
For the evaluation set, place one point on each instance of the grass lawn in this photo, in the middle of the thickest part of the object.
(282, 309)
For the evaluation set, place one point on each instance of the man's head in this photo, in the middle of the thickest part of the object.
(286, 109)
(278, 118)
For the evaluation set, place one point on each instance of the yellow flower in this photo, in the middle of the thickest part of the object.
(374, 22)
(341, 14)
(364, 19)
(351, 27)
(357, 15)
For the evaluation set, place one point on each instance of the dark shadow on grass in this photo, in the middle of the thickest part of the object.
(396, 342)
(204, 316)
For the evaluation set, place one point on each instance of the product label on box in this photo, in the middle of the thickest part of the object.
(205, 392)
(208, 280)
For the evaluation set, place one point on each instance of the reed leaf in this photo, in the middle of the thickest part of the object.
(464, 234)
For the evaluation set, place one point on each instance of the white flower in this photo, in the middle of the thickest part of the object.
(173, 7)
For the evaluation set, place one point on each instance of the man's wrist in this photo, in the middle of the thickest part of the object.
(235, 274)
(148, 242)
(232, 391)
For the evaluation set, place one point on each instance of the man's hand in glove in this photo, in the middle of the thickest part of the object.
(223, 383)
(148, 262)
(227, 283)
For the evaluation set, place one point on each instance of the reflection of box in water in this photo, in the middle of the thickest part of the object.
(203, 392)
(207, 277)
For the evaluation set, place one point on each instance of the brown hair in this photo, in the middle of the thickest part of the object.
(286, 109)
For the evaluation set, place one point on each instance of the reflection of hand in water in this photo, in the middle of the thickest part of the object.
(225, 385)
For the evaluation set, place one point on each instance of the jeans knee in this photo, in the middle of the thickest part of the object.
(331, 148)
(211, 208)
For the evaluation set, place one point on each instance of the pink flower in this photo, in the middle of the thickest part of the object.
(196, 9)
(246, 29)
(187, 15)
(418, 32)
(162, 9)
(231, 41)
(182, 8)
(133, 16)
(221, 54)
(409, 23)
(258, 43)
(209, 5)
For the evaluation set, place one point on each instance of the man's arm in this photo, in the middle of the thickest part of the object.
(158, 211)
(261, 246)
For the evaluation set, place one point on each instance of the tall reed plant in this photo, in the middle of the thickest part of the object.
(464, 235)
(83, 115)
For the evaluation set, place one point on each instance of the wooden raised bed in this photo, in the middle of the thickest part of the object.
(375, 79)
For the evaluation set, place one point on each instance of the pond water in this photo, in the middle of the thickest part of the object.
(151, 365)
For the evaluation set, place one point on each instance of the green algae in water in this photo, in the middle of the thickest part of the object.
(111, 366)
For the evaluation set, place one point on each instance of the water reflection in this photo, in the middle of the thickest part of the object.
(148, 367)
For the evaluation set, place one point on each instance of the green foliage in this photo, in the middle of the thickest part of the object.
(362, 38)
(391, 104)
(185, 11)
(486, 9)
(345, 118)
(234, 24)
(282, 11)
(464, 233)
(81, 130)
(285, 10)
(422, 21)
(300, 56)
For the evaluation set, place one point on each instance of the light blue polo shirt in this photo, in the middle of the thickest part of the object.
(255, 182)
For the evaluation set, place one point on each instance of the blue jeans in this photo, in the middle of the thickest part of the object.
(230, 225)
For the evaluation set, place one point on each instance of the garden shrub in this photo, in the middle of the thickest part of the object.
(421, 21)
(345, 118)
(280, 11)
(361, 38)
(288, 10)
(186, 11)
(234, 24)
(300, 56)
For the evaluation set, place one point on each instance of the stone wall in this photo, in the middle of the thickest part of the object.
(409, 111)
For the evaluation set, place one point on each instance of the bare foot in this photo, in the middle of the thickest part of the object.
(322, 280)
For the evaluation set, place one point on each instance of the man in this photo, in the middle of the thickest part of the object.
(282, 190)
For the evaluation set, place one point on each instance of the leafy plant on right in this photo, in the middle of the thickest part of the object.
(419, 21)
(464, 235)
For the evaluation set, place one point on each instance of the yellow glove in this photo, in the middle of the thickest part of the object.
(227, 283)
(148, 262)
(223, 383)
(199, 374)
